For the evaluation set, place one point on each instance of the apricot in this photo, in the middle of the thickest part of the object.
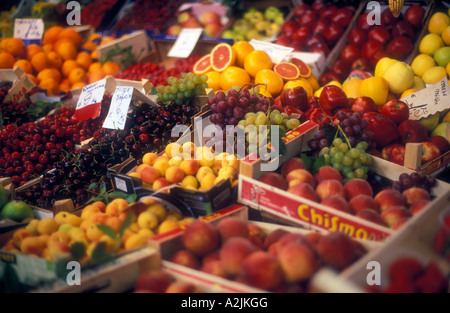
(47, 225)
(31, 245)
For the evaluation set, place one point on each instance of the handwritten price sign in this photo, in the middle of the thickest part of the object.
(185, 42)
(91, 94)
(28, 28)
(428, 101)
(276, 52)
(118, 110)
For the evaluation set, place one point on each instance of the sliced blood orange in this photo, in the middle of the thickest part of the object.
(305, 70)
(222, 56)
(287, 70)
(203, 65)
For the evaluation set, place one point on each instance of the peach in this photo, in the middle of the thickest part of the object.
(159, 210)
(363, 201)
(291, 238)
(290, 165)
(135, 241)
(357, 186)
(274, 180)
(336, 202)
(32, 226)
(60, 217)
(189, 182)
(201, 238)
(155, 281)
(298, 261)
(301, 175)
(174, 174)
(114, 222)
(93, 232)
(205, 156)
(74, 220)
(31, 245)
(304, 190)
(149, 175)
(232, 227)
(327, 172)
(261, 270)
(207, 181)
(330, 187)
(399, 223)
(394, 213)
(149, 158)
(389, 197)
(173, 149)
(257, 231)
(59, 237)
(314, 237)
(213, 256)
(161, 164)
(337, 249)
(181, 287)
(188, 149)
(161, 183)
(415, 194)
(418, 206)
(57, 249)
(47, 225)
(214, 267)
(185, 258)
(189, 167)
(256, 241)
(371, 216)
(202, 172)
(20, 235)
(175, 161)
(167, 225)
(274, 236)
(140, 168)
(233, 253)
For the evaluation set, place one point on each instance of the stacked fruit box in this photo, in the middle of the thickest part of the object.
(302, 208)
(232, 258)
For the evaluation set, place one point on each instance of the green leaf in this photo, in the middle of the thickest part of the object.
(131, 198)
(118, 194)
(103, 188)
(320, 161)
(283, 148)
(92, 186)
(308, 161)
(153, 91)
(99, 253)
(126, 223)
(78, 250)
(107, 230)
(61, 268)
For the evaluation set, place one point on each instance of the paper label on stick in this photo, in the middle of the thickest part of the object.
(428, 101)
(118, 110)
(276, 52)
(28, 28)
(185, 42)
(91, 94)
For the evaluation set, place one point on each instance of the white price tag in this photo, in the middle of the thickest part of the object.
(28, 28)
(185, 43)
(91, 94)
(120, 184)
(276, 52)
(118, 110)
(428, 101)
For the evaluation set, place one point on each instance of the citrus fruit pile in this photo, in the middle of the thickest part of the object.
(432, 64)
(63, 61)
(235, 66)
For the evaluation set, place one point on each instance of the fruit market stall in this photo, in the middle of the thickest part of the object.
(225, 147)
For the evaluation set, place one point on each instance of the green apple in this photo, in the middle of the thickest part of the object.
(442, 56)
(430, 122)
(271, 13)
(17, 211)
(441, 129)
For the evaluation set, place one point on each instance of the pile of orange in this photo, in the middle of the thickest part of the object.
(63, 62)
(241, 64)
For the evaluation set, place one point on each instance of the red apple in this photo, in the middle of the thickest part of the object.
(414, 15)
(363, 105)
(209, 17)
(327, 11)
(319, 116)
(384, 129)
(370, 47)
(301, 8)
(400, 47)
(192, 23)
(315, 40)
(388, 19)
(386, 151)
(441, 143)
(308, 19)
(284, 40)
(380, 34)
(362, 22)
(333, 34)
(357, 37)
(320, 48)
(301, 34)
(328, 77)
(362, 64)
(341, 68)
(350, 53)
(378, 55)
(213, 29)
(184, 16)
(403, 28)
(289, 27)
(412, 131)
(429, 152)
(333, 98)
(343, 17)
(174, 30)
(297, 97)
(320, 27)
(397, 155)
(396, 110)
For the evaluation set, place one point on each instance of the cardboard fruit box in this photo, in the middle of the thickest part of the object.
(312, 215)
(415, 240)
(170, 243)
